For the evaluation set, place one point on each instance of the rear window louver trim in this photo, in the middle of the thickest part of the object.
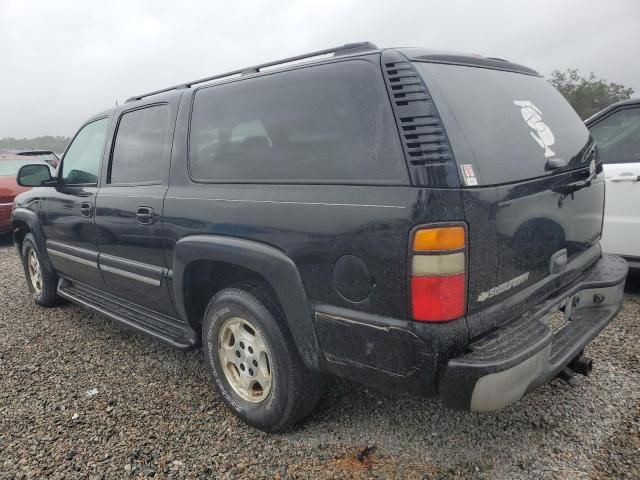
(424, 140)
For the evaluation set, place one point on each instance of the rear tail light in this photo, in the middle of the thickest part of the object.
(438, 273)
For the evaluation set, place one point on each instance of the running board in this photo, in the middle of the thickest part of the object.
(162, 327)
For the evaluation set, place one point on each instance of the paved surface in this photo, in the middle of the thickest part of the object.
(82, 398)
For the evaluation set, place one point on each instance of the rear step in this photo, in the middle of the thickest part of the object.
(511, 361)
(160, 326)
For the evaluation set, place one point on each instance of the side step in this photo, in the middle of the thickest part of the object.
(162, 327)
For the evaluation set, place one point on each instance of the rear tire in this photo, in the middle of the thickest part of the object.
(254, 362)
(43, 285)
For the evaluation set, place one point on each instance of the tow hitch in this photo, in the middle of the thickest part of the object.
(581, 365)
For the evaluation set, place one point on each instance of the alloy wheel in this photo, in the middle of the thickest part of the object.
(35, 274)
(245, 360)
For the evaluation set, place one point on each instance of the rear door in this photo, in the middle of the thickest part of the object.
(129, 206)
(532, 197)
(618, 139)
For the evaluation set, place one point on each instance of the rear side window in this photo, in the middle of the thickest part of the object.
(511, 123)
(142, 146)
(618, 136)
(327, 123)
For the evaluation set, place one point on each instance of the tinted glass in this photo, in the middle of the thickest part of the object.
(82, 159)
(618, 136)
(142, 146)
(513, 123)
(324, 123)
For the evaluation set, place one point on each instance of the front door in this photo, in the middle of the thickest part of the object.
(618, 139)
(68, 211)
(129, 207)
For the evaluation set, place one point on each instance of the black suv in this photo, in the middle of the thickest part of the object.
(421, 221)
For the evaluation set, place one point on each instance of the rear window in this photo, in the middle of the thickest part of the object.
(11, 167)
(326, 123)
(504, 126)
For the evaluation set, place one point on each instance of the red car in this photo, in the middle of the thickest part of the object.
(9, 188)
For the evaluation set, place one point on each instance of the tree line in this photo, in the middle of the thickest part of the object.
(588, 94)
(55, 144)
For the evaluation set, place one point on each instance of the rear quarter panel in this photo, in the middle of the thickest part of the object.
(314, 225)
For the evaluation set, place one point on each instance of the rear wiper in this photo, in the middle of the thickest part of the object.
(555, 163)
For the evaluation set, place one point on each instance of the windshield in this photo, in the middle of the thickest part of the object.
(504, 126)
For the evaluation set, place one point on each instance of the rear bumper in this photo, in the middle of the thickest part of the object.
(503, 366)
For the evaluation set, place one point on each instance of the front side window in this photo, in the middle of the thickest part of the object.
(141, 147)
(327, 123)
(618, 136)
(82, 159)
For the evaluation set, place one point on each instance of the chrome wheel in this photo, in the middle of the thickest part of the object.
(245, 360)
(35, 274)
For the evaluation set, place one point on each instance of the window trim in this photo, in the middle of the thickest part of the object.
(108, 182)
(375, 64)
(60, 167)
(612, 112)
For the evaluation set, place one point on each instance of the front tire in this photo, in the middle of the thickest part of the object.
(253, 361)
(42, 284)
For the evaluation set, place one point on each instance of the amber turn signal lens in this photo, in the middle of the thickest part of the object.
(442, 238)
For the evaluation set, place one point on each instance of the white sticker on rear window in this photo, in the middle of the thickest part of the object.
(542, 134)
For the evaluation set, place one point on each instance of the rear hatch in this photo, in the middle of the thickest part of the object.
(532, 195)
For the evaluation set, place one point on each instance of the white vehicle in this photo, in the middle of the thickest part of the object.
(616, 130)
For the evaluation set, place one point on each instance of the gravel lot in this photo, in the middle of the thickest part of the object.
(82, 398)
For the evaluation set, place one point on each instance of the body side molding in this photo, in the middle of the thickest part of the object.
(83, 256)
(142, 272)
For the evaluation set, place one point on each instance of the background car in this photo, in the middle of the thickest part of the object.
(9, 188)
(616, 130)
(47, 155)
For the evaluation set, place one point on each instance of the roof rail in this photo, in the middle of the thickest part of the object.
(342, 50)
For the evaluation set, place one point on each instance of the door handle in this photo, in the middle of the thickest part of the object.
(626, 177)
(86, 209)
(144, 215)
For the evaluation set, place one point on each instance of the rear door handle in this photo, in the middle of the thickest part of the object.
(626, 177)
(86, 209)
(144, 215)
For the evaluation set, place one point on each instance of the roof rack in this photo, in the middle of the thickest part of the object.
(342, 50)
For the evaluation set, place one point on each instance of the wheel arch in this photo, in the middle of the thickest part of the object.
(24, 221)
(237, 259)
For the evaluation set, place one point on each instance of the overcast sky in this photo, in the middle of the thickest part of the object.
(62, 61)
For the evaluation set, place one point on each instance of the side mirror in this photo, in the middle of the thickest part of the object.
(33, 175)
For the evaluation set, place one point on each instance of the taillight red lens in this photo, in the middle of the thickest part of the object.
(438, 299)
(438, 269)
